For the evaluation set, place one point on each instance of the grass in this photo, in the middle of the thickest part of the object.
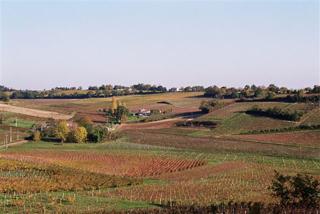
(21, 123)
(232, 119)
(65, 202)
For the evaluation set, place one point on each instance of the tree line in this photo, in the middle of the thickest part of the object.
(249, 92)
(263, 93)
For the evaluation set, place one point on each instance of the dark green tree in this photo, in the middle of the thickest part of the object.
(299, 190)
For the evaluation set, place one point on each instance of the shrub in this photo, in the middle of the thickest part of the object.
(196, 123)
(285, 129)
(209, 106)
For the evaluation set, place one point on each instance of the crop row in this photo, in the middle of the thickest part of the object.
(113, 164)
(18, 177)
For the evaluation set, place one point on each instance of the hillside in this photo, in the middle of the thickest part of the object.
(157, 162)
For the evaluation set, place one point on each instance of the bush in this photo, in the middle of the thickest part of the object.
(209, 106)
(196, 123)
(299, 190)
(285, 129)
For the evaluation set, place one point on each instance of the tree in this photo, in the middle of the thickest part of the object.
(212, 91)
(79, 135)
(36, 136)
(299, 190)
(4, 96)
(62, 130)
(85, 122)
(121, 114)
(270, 95)
(258, 92)
(97, 134)
(209, 106)
(114, 104)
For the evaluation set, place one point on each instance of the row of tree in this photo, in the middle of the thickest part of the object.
(276, 112)
(118, 90)
(257, 92)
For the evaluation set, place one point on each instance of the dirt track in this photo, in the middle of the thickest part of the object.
(34, 112)
(2, 146)
(167, 123)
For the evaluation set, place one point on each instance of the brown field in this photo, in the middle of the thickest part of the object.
(299, 138)
(162, 137)
(21, 177)
(313, 117)
(222, 183)
(34, 112)
(181, 102)
(111, 164)
(203, 172)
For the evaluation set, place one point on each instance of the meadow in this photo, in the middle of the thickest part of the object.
(155, 163)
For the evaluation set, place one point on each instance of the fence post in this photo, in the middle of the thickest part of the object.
(6, 141)
(10, 137)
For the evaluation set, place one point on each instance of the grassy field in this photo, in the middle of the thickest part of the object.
(155, 163)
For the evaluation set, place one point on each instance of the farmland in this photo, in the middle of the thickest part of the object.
(154, 163)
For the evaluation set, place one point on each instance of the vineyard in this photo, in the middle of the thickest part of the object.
(111, 164)
(156, 167)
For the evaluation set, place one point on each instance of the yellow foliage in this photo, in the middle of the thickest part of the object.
(114, 105)
(79, 135)
(36, 136)
(62, 130)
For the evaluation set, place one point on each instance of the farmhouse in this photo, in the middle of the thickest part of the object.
(143, 113)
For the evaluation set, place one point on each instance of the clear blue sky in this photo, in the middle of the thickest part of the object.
(173, 43)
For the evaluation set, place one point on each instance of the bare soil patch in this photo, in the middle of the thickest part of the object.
(34, 112)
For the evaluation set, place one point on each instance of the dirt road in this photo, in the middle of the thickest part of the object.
(2, 146)
(160, 124)
(34, 112)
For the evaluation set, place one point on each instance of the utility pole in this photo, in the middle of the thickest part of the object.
(6, 141)
(17, 128)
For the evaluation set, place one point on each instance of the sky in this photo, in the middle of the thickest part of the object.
(45, 43)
